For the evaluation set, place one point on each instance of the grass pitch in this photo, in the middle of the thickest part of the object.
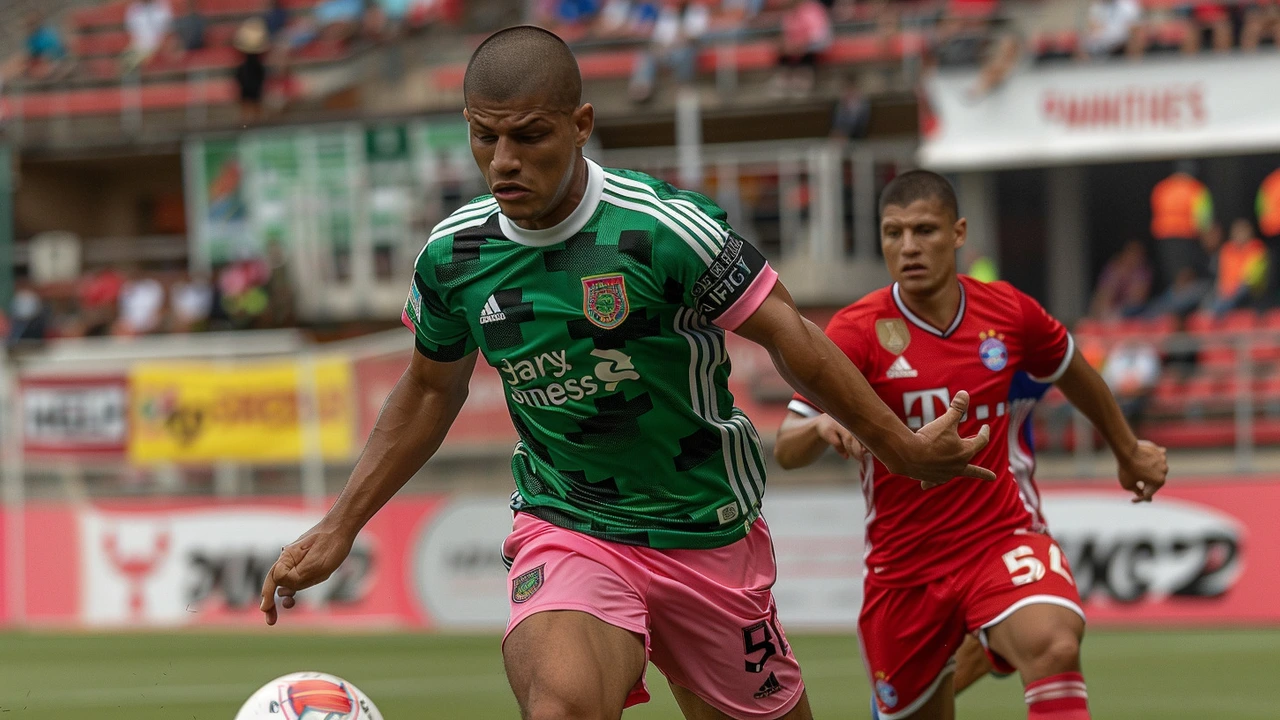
(1224, 675)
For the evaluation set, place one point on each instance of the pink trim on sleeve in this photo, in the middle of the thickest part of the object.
(404, 318)
(750, 301)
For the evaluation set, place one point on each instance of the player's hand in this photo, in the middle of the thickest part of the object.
(308, 561)
(1143, 471)
(839, 437)
(942, 455)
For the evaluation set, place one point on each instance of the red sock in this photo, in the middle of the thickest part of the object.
(1058, 697)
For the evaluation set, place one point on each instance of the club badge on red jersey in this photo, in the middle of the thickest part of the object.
(604, 300)
(992, 351)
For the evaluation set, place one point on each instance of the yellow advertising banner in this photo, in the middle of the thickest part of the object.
(241, 412)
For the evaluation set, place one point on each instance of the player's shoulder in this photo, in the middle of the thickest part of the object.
(866, 309)
(998, 295)
(473, 214)
(641, 192)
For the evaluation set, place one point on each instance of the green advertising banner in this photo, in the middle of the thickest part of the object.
(322, 187)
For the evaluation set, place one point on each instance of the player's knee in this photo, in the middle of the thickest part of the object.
(563, 706)
(1054, 653)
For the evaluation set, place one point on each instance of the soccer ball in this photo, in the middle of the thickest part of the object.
(308, 696)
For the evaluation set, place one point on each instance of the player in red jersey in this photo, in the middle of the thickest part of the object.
(964, 557)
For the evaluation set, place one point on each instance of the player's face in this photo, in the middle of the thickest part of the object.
(920, 243)
(527, 154)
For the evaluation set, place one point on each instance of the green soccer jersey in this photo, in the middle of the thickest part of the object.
(608, 333)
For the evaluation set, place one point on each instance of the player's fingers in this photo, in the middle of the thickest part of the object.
(287, 602)
(981, 473)
(974, 445)
(959, 406)
(269, 595)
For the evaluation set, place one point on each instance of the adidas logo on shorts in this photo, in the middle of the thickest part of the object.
(770, 686)
(491, 312)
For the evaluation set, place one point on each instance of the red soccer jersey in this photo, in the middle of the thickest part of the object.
(915, 536)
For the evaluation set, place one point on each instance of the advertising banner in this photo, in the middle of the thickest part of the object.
(1203, 554)
(203, 563)
(191, 412)
(483, 421)
(1074, 114)
(74, 416)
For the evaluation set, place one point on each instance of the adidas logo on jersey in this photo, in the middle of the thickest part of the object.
(491, 312)
(898, 370)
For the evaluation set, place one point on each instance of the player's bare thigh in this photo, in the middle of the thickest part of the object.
(568, 665)
(1040, 640)
(695, 708)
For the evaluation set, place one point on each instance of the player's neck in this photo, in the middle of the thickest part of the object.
(572, 199)
(937, 307)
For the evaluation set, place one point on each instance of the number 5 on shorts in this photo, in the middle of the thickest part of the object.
(767, 632)
(1025, 568)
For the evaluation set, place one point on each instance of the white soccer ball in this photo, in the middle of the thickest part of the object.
(308, 696)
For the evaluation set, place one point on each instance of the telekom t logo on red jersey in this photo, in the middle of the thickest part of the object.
(924, 406)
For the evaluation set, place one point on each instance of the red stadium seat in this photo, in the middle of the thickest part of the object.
(1218, 357)
(1201, 322)
(1239, 321)
(101, 43)
(1271, 319)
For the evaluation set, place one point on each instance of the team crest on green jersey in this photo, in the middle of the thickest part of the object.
(604, 300)
(526, 584)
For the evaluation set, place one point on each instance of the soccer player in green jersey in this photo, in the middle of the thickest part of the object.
(602, 298)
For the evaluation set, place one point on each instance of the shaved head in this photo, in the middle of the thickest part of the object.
(916, 185)
(524, 62)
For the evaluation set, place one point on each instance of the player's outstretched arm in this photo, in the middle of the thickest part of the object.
(409, 430)
(802, 440)
(1142, 464)
(814, 366)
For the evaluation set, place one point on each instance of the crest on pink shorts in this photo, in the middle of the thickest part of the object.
(526, 584)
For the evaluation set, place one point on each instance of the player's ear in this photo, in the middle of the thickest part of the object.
(584, 122)
(962, 232)
(466, 116)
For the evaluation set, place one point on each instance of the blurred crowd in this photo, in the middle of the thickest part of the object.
(1201, 262)
(248, 294)
(164, 33)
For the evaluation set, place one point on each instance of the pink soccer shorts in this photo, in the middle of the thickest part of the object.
(707, 616)
(910, 634)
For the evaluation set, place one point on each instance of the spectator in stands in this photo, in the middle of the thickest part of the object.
(1268, 208)
(190, 304)
(673, 43)
(99, 297)
(1241, 269)
(626, 19)
(30, 316)
(1261, 22)
(1131, 370)
(339, 20)
(853, 112)
(276, 18)
(149, 23)
(1208, 26)
(188, 29)
(1181, 214)
(141, 305)
(1114, 29)
(806, 34)
(252, 41)
(244, 297)
(1124, 285)
(46, 53)
(1186, 294)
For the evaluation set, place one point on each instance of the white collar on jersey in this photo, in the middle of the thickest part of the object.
(567, 227)
(918, 322)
